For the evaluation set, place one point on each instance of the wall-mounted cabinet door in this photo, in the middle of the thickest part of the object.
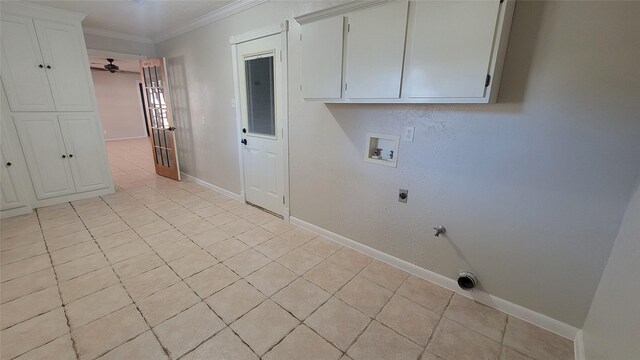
(375, 51)
(23, 72)
(322, 43)
(46, 156)
(66, 64)
(449, 48)
(84, 151)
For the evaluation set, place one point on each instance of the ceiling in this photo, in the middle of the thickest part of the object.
(139, 18)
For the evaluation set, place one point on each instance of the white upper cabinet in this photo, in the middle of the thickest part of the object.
(375, 49)
(81, 134)
(23, 72)
(66, 64)
(449, 48)
(322, 58)
(45, 65)
(398, 51)
(45, 153)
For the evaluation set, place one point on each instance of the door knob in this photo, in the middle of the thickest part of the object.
(8, 164)
(41, 66)
(48, 66)
(171, 128)
(64, 156)
(70, 155)
(244, 131)
(244, 141)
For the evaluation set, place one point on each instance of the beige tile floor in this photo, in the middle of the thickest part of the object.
(165, 269)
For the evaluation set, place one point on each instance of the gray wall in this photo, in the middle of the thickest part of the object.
(611, 328)
(119, 104)
(105, 43)
(532, 190)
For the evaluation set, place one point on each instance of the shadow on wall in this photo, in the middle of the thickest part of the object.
(181, 111)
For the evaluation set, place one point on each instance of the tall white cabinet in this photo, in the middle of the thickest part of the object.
(50, 106)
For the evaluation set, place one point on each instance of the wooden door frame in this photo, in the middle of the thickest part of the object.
(283, 30)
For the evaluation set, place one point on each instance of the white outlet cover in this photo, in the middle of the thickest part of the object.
(408, 133)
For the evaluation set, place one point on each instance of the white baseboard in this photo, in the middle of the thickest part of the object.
(127, 138)
(212, 187)
(16, 212)
(578, 346)
(541, 320)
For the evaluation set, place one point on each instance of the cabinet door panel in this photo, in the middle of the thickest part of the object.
(62, 48)
(449, 48)
(375, 52)
(25, 82)
(9, 194)
(84, 144)
(322, 43)
(43, 148)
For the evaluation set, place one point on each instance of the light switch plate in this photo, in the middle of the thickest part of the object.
(408, 133)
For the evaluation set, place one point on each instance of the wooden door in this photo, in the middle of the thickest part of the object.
(66, 65)
(23, 70)
(159, 115)
(453, 61)
(46, 155)
(260, 85)
(375, 52)
(85, 154)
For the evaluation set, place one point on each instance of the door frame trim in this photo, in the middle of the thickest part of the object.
(234, 40)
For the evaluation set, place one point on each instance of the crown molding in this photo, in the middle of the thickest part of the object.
(116, 35)
(339, 10)
(40, 11)
(214, 16)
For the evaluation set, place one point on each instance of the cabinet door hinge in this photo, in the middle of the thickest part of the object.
(487, 81)
(300, 37)
(280, 55)
(348, 27)
(283, 200)
(346, 86)
(300, 87)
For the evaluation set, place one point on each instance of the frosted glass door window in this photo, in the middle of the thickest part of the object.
(260, 96)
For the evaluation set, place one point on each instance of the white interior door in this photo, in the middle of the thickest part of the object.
(260, 85)
(23, 70)
(45, 153)
(81, 134)
(66, 64)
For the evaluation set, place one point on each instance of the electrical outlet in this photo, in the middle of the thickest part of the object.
(403, 195)
(408, 133)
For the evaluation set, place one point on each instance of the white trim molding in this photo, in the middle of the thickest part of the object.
(115, 55)
(260, 33)
(226, 192)
(530, 316)
(40, 11)
(116, 35)
(578, 346)
(214, 16)
(339, 10)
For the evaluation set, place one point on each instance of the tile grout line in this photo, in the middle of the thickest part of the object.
(126, 290)
(55, 273)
